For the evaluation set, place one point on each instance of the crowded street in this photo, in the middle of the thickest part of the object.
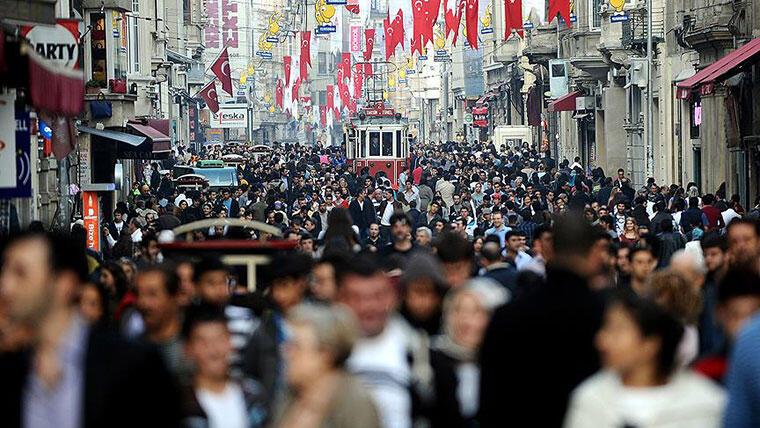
(386, 214)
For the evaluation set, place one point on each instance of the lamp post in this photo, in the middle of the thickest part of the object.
(650, 94)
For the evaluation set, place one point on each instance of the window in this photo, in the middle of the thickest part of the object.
(119, 44)
(595, 15)
(387, 143)
(98, 52)
(558, 70)
(322, 98)
(134, 42)
(374, 143)
(322, 61)
(363, 143)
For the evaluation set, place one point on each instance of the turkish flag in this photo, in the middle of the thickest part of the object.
(353, 6)
(453, 17)
(358, 79)
(369, 40)
(388, 37)
(561, 7)
(345, 95)
(368, 72)
(345, 64)
(431, 8)
(305, 53)
(471, 20)
(296, 87)
(221, 69)
(330, 97)
(278, 94)
(323, 116)
(418, 24)
(398, 29)
(286, 60)
(512, 18)
(208, 93)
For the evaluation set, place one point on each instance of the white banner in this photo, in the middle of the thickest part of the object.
(230, 116)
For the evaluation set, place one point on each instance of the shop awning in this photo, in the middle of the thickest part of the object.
(132, 140)
(725, 67)
(161, 142)
(55, 90)
(565, 102)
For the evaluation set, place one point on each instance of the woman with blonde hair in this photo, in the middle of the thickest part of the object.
(630, 235)
(321, 393)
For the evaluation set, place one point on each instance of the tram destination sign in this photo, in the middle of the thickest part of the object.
(379, 111)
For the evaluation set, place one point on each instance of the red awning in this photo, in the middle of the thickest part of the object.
(161, 142)
(565, 102)
(720, 69)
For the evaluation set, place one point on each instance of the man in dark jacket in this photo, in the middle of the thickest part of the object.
(61, 371)
(362, 212)
(539, 347)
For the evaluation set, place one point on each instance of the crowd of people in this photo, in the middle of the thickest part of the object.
(482, 287)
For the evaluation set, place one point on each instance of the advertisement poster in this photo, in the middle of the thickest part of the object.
(91, 212)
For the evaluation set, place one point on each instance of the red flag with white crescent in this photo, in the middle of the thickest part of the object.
(278, 93)
(471, 20)
(418, 24)
(369, 40)
(296, 87)
(353, 6)
(330, 97)
(286, 60)
(398, 29)
(512, 18)
(431, 8)
(453, 16)
(323, 116)
(358, 79)
(221, 69)
(388, 31)
(345, 95)
(208, 93)
(305, 53)
(561, 7)
(345, 64)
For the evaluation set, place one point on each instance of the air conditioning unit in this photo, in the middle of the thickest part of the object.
(637, 75)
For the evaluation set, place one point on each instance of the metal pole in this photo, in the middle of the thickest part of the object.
(64, 209)
(649, 130)
(445, 103)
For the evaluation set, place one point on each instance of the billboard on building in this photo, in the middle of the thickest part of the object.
(230, 116)
(474, 86)
(227, 25)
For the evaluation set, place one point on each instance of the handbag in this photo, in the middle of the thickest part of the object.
(117, 86)
(100, 108)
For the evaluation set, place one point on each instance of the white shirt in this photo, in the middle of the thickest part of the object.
(225, 410)
(386, 220)
(380, 362)
(687, 400)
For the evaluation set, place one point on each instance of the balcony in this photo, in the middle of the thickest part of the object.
(31, 11)
(541, 45)
(123, 5)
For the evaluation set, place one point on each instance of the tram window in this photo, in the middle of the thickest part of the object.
(363, 143)
(399, 146)
(387, 143)
(374, 143)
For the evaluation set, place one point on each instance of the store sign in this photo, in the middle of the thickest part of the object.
(91, 214)
(480, 117)
(15, 151)
(232, 116)
(59, 43)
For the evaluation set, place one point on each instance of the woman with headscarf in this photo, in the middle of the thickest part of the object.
(466, 313)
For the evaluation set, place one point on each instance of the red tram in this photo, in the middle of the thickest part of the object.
(376, 138)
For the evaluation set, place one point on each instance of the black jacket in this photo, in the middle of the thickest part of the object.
(536, 350)
(125, 385)
(362, 214)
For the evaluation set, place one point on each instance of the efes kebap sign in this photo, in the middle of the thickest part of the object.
(230, 116)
